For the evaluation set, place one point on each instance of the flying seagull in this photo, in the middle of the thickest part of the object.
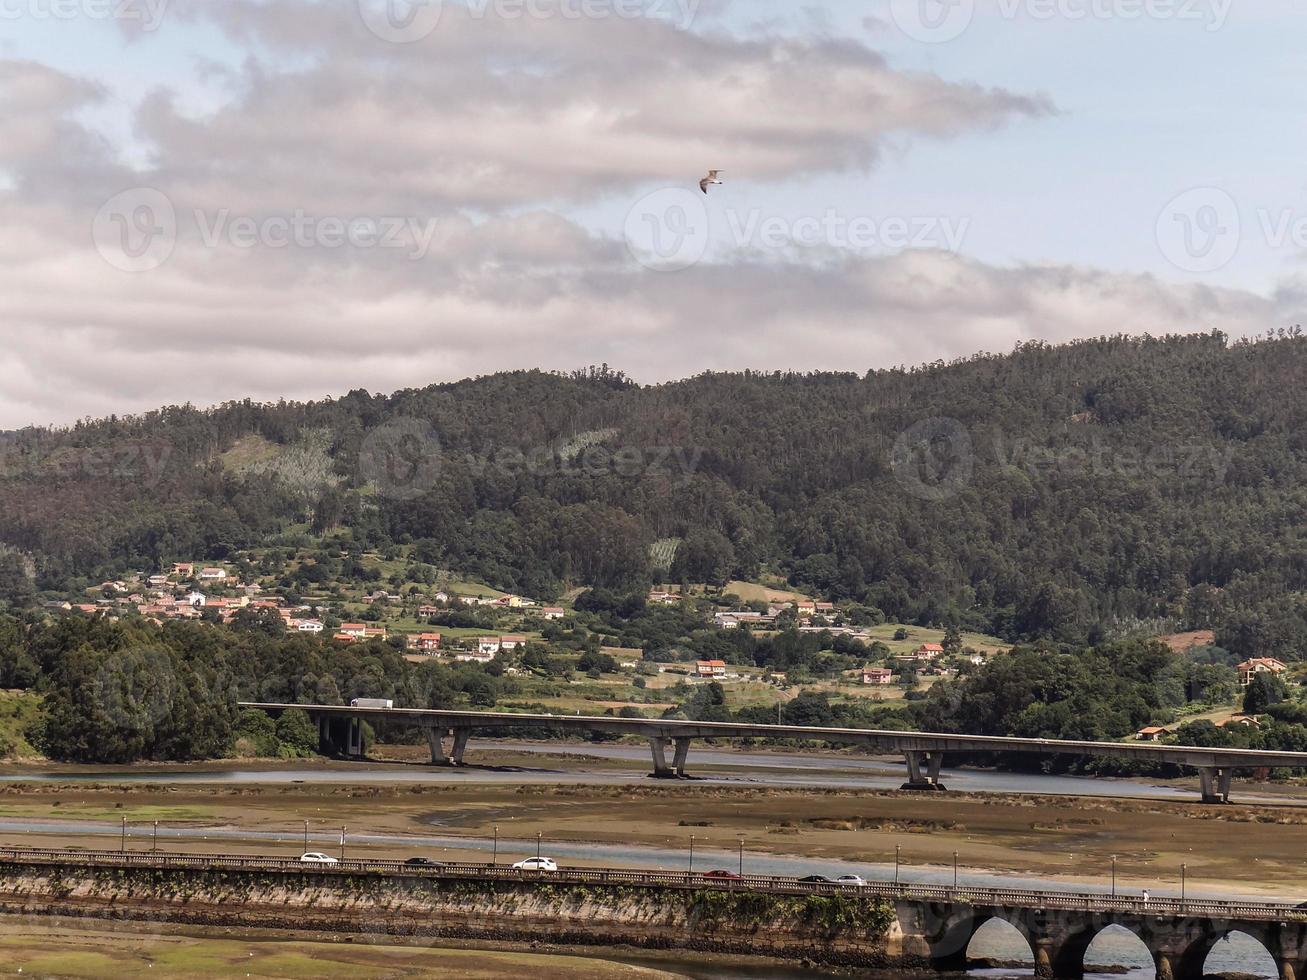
(712, 178)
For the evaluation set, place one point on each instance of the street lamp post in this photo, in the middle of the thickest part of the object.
(342, 842)
(537, 844)
(898, 854)
(123, 846)
(1184, 874)
(1114, 876)
(306, 836)
(692, 854)
(494, 855)
(154, 846)
(741, 857)
(955, 869)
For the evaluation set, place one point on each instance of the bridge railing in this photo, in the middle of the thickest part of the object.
(941, 894)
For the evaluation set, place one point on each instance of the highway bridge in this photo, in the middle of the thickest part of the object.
(933, 923)
(340, 732)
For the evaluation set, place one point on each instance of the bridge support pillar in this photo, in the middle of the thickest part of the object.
(1216, 784)
(682, 751)
(461, 736)
(436, 739)
(1290, 968)
(1165, 963)
(354, 739)
(923, 771)
(658, 745)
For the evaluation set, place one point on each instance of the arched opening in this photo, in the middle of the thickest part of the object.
(999, 949)
(1116, 952)
(1239, 953)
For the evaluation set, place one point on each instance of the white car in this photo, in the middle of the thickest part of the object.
(317, 857)
(536, 864)
(853, 881)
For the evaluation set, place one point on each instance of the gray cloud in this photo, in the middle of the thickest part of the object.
(492, 129)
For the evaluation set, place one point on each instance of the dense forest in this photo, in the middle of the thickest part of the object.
(1077, 494)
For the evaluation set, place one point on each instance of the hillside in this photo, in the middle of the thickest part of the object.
(1103, 488)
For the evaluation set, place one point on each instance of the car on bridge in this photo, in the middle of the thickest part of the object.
(719, 873)
(851, 881)
(536, 864)
(423, 862)
(817, 880)
(317, 857)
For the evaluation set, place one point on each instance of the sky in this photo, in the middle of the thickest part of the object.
(205, 200)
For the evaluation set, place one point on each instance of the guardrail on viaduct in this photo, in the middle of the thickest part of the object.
(340, 730)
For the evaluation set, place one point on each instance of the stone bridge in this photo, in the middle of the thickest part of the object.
(340, 731)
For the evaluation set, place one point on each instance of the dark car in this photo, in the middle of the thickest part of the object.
(817, 880)
(722, 874)
(421, 862)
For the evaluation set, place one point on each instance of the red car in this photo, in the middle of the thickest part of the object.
(722, 874)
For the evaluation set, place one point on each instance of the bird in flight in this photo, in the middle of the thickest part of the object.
(712, 178)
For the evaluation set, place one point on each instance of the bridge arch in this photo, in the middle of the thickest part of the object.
(1232, 951)
(1000, 940)
(1113, 947)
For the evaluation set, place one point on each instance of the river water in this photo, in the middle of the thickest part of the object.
(727, 768)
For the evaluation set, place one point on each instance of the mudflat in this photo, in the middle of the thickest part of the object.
(1232, 849)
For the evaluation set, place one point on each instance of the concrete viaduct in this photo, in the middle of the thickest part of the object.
(340, 733)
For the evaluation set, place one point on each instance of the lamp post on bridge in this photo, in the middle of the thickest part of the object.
(692, 854)
(123, 846)
(1184, 874)
(494, 854)
(1114, 876)
(537, 845)
(306, 837)
(154, 846)
(955, 870)
(741, 838)
(898, 855)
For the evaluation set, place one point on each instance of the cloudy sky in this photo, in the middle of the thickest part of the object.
(211, 199)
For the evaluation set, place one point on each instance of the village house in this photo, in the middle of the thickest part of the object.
(477, 657)
(664, 598)
(488, 645)
(306, 625)
(553, 612)
(877, 675)
(711, 668)
(511, 642)
(825, 608)
(1260, 665)
(213, 574)
(1240, 721)
(929, 651)
(1151, 734)
(427, 611)
(183, 569)
(425, 642)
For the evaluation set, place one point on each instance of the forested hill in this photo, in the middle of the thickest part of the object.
(1074, 491)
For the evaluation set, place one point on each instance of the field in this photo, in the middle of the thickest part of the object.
(95, 950)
